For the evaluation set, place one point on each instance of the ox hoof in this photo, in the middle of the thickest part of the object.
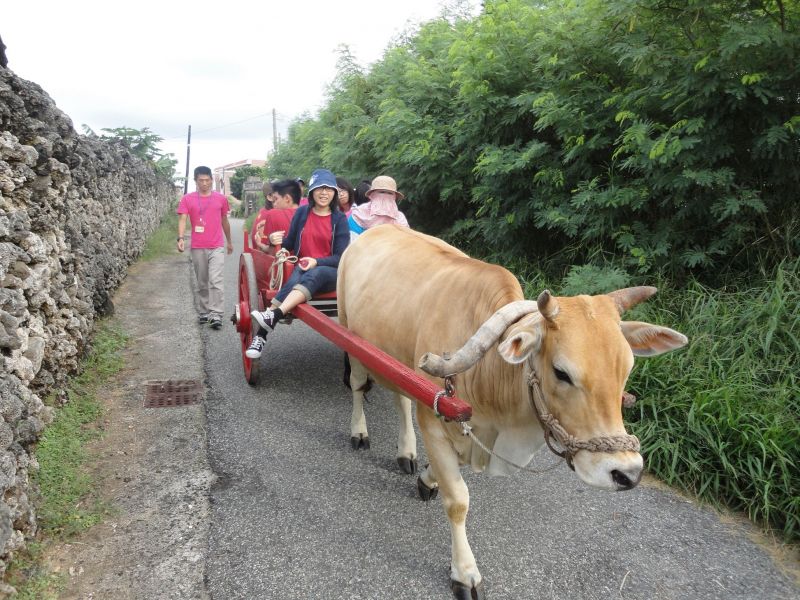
(463, 592)
(407, 465)
(360, 442)
(426, 493)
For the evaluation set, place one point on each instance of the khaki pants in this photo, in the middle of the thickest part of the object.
(208, 267)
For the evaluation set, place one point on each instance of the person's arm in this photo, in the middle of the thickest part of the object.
(181, 231)
(226, 228)
(290, 241)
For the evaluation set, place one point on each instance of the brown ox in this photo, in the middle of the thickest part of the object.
(411, 294)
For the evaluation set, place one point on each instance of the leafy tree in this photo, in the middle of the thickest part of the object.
(664, 135)
(238, 178)
(144, 144)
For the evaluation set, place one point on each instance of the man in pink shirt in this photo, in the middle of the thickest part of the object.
(208, 216)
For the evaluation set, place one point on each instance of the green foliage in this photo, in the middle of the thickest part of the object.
(65, 504)
(31, 578)
(665, 134)
(162, 241)
(721, 418)
(591, 279)
(242, 173)
(144, 144)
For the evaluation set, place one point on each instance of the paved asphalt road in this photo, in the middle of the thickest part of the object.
(296, 513)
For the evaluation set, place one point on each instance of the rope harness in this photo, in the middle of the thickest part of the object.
(553, 430)
(276, 269)
(570, 444)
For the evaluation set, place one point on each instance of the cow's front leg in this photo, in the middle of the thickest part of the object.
(427, 486)
(359, 437)
(465, 579)
(406, 438)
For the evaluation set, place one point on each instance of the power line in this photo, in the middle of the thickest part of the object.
(283, 118)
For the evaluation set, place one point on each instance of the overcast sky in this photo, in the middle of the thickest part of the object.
(221, 67)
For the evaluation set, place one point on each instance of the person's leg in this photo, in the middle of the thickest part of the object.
(266, 317)
(216, 306)
(315, 281)
(200, 264)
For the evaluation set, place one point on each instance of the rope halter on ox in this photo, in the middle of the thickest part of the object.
(447, 366)
(570, 444)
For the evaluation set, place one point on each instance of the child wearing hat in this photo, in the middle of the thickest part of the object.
(381, 208)
(318, 235)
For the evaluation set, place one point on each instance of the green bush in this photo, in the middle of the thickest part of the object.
(721, 418)
(665, 133)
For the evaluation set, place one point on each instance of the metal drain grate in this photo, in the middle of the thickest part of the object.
(172, 392)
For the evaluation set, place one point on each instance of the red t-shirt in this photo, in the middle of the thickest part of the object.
(317, 237)
(275, 219)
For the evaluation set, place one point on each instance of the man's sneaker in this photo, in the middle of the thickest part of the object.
(256, 347)
(268, 318)
(202, 319)
(215, 322)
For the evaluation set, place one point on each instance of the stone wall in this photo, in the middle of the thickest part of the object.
(75, 211)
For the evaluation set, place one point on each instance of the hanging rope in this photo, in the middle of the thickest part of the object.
(276, 269)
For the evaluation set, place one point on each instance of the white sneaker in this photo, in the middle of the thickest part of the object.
(256, 347)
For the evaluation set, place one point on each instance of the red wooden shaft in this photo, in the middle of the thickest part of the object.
(375, 359)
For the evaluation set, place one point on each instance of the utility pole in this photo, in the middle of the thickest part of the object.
(274, 132)
(188, 147)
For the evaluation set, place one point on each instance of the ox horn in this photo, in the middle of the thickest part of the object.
(629, 297)
(476, 346)
(548, 305)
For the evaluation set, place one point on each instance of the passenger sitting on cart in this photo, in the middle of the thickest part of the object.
(318, 235)
(285, 196)
(381, 208)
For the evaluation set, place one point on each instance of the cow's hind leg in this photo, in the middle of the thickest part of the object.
(359, 437)
(466, 581)
(406, 438)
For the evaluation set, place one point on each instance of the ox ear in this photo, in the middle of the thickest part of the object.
(522, 339)
(650, 340)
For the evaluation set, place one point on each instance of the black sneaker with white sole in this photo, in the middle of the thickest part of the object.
(256, 347)
(215, 322)
(268, 318)
(202, 319)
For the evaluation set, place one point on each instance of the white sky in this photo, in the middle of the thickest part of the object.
(212, 65)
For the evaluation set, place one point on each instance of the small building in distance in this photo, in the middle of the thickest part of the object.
(223, 174)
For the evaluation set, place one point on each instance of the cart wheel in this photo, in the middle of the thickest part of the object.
(249, 299)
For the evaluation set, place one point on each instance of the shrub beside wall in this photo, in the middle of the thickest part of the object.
(75, 211)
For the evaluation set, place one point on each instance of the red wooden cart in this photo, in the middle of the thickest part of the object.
(256, 290)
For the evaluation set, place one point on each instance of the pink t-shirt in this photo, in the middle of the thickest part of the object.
(205, 218)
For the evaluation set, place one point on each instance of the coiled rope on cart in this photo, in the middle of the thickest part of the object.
(276, 269)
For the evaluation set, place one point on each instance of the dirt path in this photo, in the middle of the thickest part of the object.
(151, 463)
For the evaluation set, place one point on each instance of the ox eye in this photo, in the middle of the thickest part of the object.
(562, 376)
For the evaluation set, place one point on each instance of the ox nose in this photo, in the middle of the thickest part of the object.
(623, 481)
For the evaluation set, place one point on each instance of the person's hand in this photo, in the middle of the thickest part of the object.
(307, 263)
(229, 247)
(276, 238)
(180, 244)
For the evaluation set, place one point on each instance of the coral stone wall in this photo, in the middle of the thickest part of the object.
(75, 211)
